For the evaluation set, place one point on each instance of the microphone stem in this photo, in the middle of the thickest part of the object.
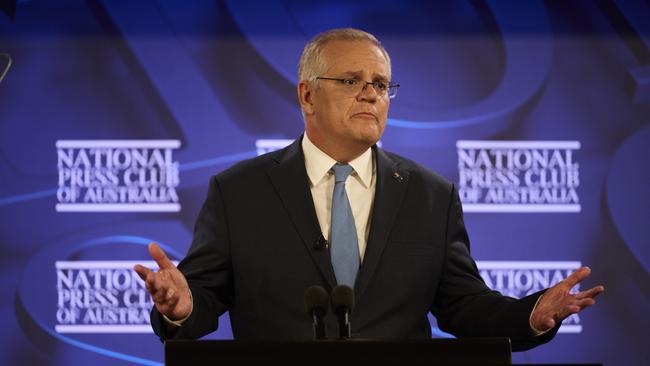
(319, 327)
(344, 325)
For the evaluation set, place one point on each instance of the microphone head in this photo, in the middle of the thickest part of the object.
(342, 298)
(316, 301)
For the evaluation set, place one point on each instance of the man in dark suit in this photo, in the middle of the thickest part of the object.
(275, 225)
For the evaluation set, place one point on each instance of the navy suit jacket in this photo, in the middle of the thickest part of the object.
(255, 251)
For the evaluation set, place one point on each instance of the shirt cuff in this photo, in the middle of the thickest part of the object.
(178, 323)
(536, 332)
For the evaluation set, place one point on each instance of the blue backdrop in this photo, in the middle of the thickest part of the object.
(561, 89)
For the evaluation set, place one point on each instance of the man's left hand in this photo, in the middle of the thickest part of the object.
(558, 303)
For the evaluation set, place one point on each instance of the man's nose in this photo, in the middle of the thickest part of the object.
(368, 93)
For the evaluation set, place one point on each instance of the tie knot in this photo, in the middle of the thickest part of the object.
(341, 172)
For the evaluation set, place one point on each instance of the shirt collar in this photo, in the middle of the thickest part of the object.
(318, 163)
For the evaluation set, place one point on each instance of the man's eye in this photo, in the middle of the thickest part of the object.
(350, 82)
(380, 85)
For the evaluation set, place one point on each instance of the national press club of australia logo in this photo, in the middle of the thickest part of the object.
(101, 297)
(518, 176)
(117, 176)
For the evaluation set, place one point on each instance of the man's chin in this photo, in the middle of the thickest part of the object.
(369, 138)
(367, 142)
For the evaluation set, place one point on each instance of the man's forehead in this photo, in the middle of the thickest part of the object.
(355, 57)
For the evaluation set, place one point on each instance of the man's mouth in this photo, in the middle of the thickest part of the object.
(365, 115)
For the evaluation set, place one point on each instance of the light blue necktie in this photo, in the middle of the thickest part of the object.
(344, 247)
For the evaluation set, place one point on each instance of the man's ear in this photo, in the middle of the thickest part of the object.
(305, 93)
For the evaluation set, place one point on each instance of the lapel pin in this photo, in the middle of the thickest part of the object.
(398, 177)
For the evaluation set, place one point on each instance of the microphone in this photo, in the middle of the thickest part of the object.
(316, 304)
(342, 304)
(321, 243)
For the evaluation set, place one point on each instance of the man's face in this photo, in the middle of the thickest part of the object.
(342, 120)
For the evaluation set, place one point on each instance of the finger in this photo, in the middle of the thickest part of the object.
(150, 289)
(170, 295)
(591, 293)
(548, 323)
(157, 284)
(160, 297)
(572, 309)
(169, 301)
(142, 271)
(577, 276)
(149, 282)
(159, 256)
(567, 311)
(161, 282)
(154, 292)
(157, 290)
(152, 282)
(585, 302)
(172, 302)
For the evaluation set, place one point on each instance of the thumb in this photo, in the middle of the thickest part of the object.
(577, 276)
(160, 257)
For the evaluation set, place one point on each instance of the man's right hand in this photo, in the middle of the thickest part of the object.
(168, 287)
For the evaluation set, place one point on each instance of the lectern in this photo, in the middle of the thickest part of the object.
(468, 351)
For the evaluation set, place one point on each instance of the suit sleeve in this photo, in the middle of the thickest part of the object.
(207, 268)
(466, 307)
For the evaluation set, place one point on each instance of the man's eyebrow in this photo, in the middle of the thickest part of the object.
(357, 74)
(379, 77)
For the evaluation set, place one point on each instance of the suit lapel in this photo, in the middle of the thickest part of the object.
(289, 178)
(389, 193)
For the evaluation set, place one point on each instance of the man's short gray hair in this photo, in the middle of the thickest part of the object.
(312, 64)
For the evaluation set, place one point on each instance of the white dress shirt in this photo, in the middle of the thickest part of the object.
(360, 187)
